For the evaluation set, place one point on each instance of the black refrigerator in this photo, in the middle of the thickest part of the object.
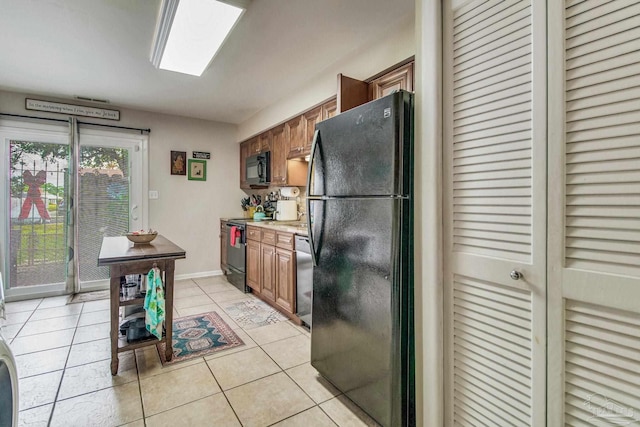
(360, 219)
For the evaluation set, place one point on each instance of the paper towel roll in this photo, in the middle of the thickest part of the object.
(290, 191)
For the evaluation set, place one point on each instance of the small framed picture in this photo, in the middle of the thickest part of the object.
(178, 163)
(197, 170)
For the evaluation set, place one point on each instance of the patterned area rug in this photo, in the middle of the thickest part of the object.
(199, 335)
(251, 314)
(89, 296)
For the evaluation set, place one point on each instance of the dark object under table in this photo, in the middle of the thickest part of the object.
(123, 257)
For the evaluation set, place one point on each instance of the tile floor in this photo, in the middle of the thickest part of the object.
(63, 357)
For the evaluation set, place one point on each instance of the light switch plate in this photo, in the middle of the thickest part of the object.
(153, 194)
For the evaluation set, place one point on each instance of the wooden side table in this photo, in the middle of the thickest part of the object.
(123, 257)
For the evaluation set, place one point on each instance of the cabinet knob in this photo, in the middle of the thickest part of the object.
(516, 275)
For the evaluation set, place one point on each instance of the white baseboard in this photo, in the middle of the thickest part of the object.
(97, 286)
(198, 275)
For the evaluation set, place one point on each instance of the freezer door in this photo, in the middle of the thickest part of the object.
(358, 311)
(365, 151)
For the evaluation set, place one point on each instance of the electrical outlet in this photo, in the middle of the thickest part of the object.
(153, 194)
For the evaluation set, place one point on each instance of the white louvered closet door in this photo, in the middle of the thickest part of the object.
(594, 213)
(495, 212)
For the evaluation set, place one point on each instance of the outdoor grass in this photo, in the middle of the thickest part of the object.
(40, 243)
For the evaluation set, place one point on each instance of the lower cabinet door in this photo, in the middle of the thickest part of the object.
(285, 279)
(253, 265)
(268, 255)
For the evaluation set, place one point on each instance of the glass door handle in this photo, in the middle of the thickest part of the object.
(2, 313)
(134, 216)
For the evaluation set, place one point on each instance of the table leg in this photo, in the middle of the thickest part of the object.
(115, 310)
(168, 305)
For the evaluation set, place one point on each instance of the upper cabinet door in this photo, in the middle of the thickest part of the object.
(255, 146)
(401, 78)
(245, 151)
(310, 118)
(594, 213)
(351, 93)
(295, 135)
(279, 153)
(265, 141)
(329, 109)
(494, 133)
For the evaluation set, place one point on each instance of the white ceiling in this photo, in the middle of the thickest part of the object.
(100, 49)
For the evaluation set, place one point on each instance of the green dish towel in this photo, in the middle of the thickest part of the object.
(154, 303)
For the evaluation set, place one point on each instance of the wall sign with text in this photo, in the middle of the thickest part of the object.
(74, 110)
(201, 155)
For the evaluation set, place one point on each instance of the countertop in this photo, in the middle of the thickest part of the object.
(295, 227)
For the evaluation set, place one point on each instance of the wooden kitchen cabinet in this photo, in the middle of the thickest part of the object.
(294, 131)
(224, 236)
(253, 266)
(279, 153)
(351, 93)
(293, 139)
(271, 267)
(255, 146)
(284, 240)
(245, 150)
(265, 141)
(329, 109)
(400, 78)
(268, 259)
(310, 118)
(285, 279)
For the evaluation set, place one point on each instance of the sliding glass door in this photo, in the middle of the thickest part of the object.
(110, 197)
(35, 185)
(46, 246)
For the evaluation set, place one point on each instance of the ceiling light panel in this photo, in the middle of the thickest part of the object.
(198, 30)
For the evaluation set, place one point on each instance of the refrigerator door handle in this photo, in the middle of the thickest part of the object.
(314, 145)
(312, 156)
(312, 248)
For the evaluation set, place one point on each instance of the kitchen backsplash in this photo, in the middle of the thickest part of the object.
(268, 193)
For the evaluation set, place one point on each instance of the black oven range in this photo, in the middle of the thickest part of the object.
(236, 253)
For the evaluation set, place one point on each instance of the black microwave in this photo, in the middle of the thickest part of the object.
(259, 169)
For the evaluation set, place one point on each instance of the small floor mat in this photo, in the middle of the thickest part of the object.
(90, 296)
(251, 314)
(199, 335)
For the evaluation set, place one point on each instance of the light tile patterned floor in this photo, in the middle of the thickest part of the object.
(63, 357)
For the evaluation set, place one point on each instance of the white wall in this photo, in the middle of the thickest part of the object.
(398, 45)
(187, 212)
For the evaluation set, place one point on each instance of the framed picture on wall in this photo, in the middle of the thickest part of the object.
(197, 170)
(178, 162)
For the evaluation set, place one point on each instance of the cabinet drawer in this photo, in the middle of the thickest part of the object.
(253, 233)
(269, 237)
(284, 240)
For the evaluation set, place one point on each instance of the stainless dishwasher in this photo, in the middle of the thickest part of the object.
(304, 279)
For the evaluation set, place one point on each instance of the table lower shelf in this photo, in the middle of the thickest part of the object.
(134, 301)
(123, 345)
